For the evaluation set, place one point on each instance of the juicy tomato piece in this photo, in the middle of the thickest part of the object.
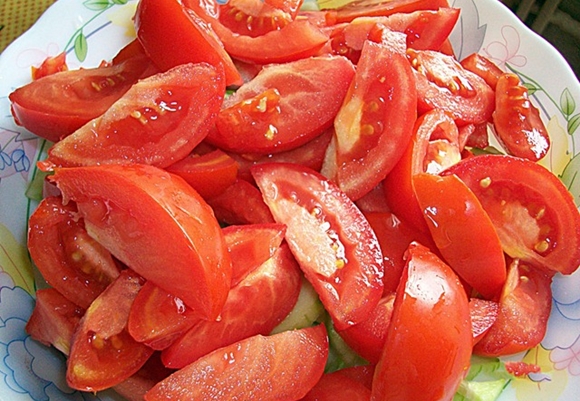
(432, 127)
(135, 387)
(375, 123)
(483, 315)
(330, 238)
(54, 319)
(474, 135)
(283, 366)
(67, 257)
(162, 119)
(103, 353)
(517, 121)
(368, 338)
(394, 237)
(204, 8)
(462, 231)
(423, 359)
(336, 386)
(251, 245)
(140, 212)
(209, 174)
(373, 201)
(531, 209)
(299, 39)
(483, 67)
(255, 17)
(158, 318)
(267, 114)
(255, 306)
(50, 65)
(362, 8)
(310, 155)
(360, 373)
(442, 83)
(229, 210)
(58, 104)
(187, 39)
(524, 308)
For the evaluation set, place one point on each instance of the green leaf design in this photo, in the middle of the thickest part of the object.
(573, 124)
(119, 2)
(571, 178)
(530, 87)
(81, 47)
(567, 102)
(97, 5)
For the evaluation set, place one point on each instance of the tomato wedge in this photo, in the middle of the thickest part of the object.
(155, 223)
(283, 366)
(531, 209)
(280, 108)
(187, 39)
(103, 353)
(161, 118)
(375, 123)
(422, 356)
(69, 260)
(58, 104)
(337, 386)
(330, 238)
(361, 8)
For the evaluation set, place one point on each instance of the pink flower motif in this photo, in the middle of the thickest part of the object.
(506, 51)
(567, 358)
(34, 56)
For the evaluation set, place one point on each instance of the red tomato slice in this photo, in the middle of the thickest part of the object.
(204, 8)
(58, 104)
(51, 65)
(483, 315)
(423, 359)
(362, 8)
(135, 387)
(442, 83)
(531, 209)
(462, 231)
(280, 108)
(283, 366)
(435, 125)
(483, 67)
(255, 306)
(162, 119)
(54, 319)
(229, 210)
(330, 238)
(103, 353)
(187, 39)
(255, 17)
(297, 40)
(375, 123)
(338, 387)
(524, 308)
(155, 223)
(517, 121)
(68, 259)
(209, 174)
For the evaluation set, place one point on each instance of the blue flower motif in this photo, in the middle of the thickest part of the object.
(20, 160)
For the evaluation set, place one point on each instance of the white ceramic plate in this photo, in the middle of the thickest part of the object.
(91, 31)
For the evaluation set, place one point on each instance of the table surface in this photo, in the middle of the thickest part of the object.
(16, 16)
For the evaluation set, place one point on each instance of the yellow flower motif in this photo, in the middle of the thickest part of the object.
(123, 16)
(546, 385)
(559, 154)
(14, 261)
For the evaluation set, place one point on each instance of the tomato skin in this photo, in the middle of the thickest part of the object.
(375, 122)
(428, 302)
(336, 386)
(524, 309)
(209, 174)
(517, 121)
(51, 65)
(140, 212)
(483, 67)
(534, 214)
(279, 109)
(255, 306)
(103, 353)
(278, 367)
(483, 315)
(188, 39)
(162, 119)
(335, 246)
(54, 319)
(442, 83)
(363, 8)
(58, 104)
(462, 231)
(80, 276)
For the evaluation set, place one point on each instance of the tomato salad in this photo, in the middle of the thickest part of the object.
(256, 201)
